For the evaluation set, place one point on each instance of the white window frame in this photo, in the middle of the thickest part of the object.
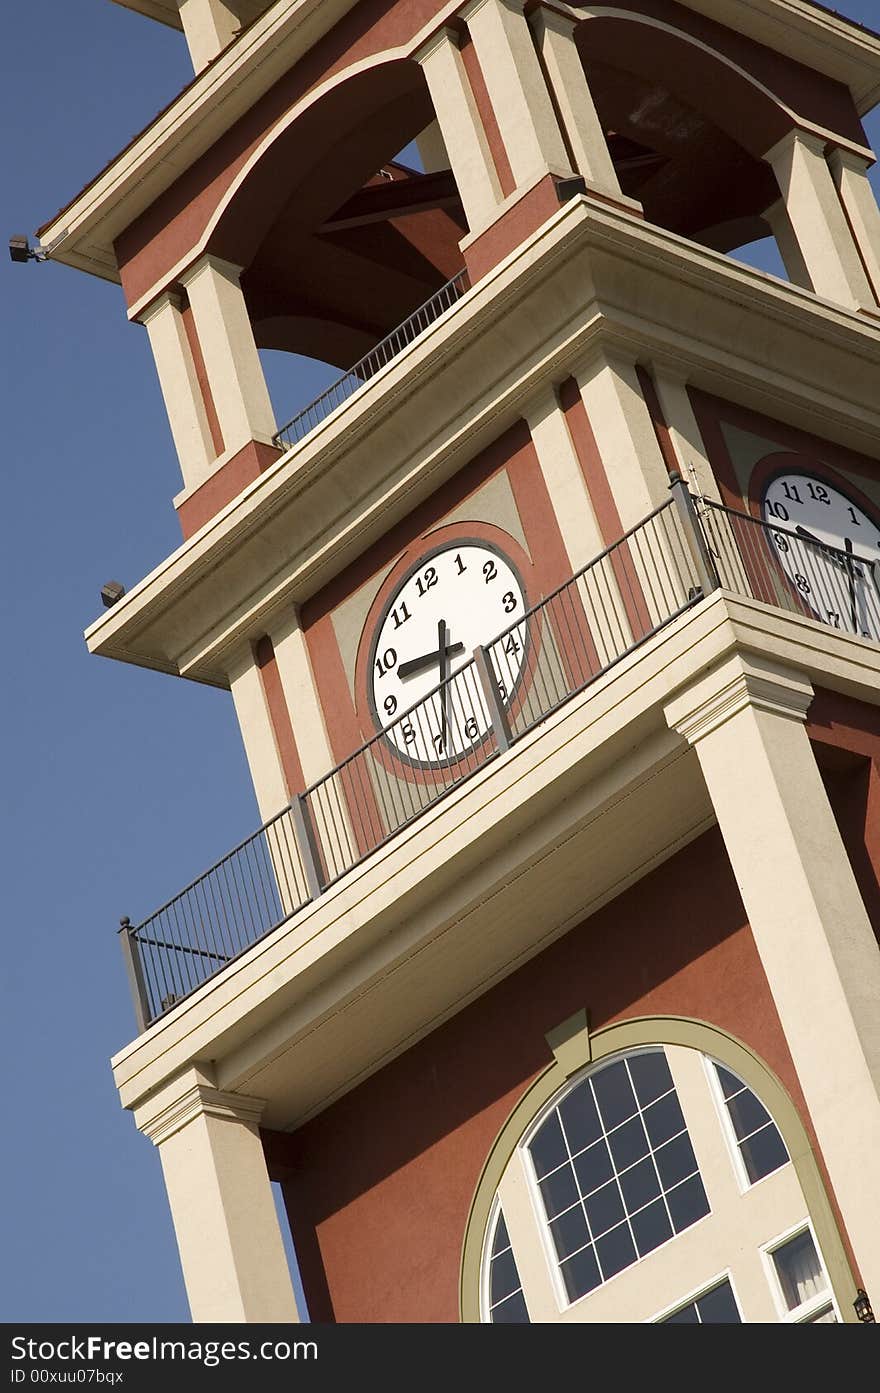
(733, 1147)
(702, 1290)
(563, 1302)
(488, 1242)
(800, 1315)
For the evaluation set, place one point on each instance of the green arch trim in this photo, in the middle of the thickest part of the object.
(616, 1039)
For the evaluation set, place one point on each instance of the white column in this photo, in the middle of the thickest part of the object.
(301, 692)
(209, 25)
(564, 479)
(850, 174)
(330, 812)
(230, 1244)
(810, 927)
(624, 434)
(598, 590)
(517, 89)
(180, 388)
(684, 432)
(821, 229)
(258, 736)
(787, 244)
(232, 362)
(554, 33)
(639, 482)
(461, 128)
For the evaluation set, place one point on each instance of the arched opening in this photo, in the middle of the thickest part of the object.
(339, 237)
(686, 131)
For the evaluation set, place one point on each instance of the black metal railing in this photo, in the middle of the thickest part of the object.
(622, 597)
(681, 552)
(379, 357)
(792, 570)
(253, 888)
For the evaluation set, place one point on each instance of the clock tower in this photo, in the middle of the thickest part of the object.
(548, 988)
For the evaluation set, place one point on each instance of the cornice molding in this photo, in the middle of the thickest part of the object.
(818, 365)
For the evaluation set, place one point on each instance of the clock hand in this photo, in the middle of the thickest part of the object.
(442, 637)
(802, 531)
(850, 570)
(427, 660)
(828, 547)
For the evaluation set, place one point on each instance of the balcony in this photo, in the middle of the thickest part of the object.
(299, 426)
(640, 585)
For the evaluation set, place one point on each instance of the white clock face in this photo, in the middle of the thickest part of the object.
(455, 599)
(840, 586)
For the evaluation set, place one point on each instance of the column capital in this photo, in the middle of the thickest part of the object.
(286, 622)
(600, 355)
(540, 404)
(545, 16)
(227, 269)
(740, 681)
(189, 1095)
(171, 298)
(472, 7)
(796, 136)
(841, 156)
(446, 34)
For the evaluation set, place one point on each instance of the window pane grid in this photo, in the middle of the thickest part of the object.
(760, 1145)
(765, 1126)
(620, 1227)
(717, 1306)
(506, 1301)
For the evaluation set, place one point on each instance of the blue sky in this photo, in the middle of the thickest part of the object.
(120, 784)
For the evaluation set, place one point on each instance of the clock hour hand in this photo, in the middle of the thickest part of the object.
(828, 546)
(802, 532)
(427, 660)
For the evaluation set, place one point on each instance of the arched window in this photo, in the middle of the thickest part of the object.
(654, 1184)
(615, 1170)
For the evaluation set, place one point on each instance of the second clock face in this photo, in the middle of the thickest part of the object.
(455, 599)
(840, 586)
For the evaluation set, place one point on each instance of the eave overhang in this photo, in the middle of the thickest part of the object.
(165, 11)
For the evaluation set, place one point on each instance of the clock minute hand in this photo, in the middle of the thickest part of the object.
(442, 642)
(428, 660)
(851, 575)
